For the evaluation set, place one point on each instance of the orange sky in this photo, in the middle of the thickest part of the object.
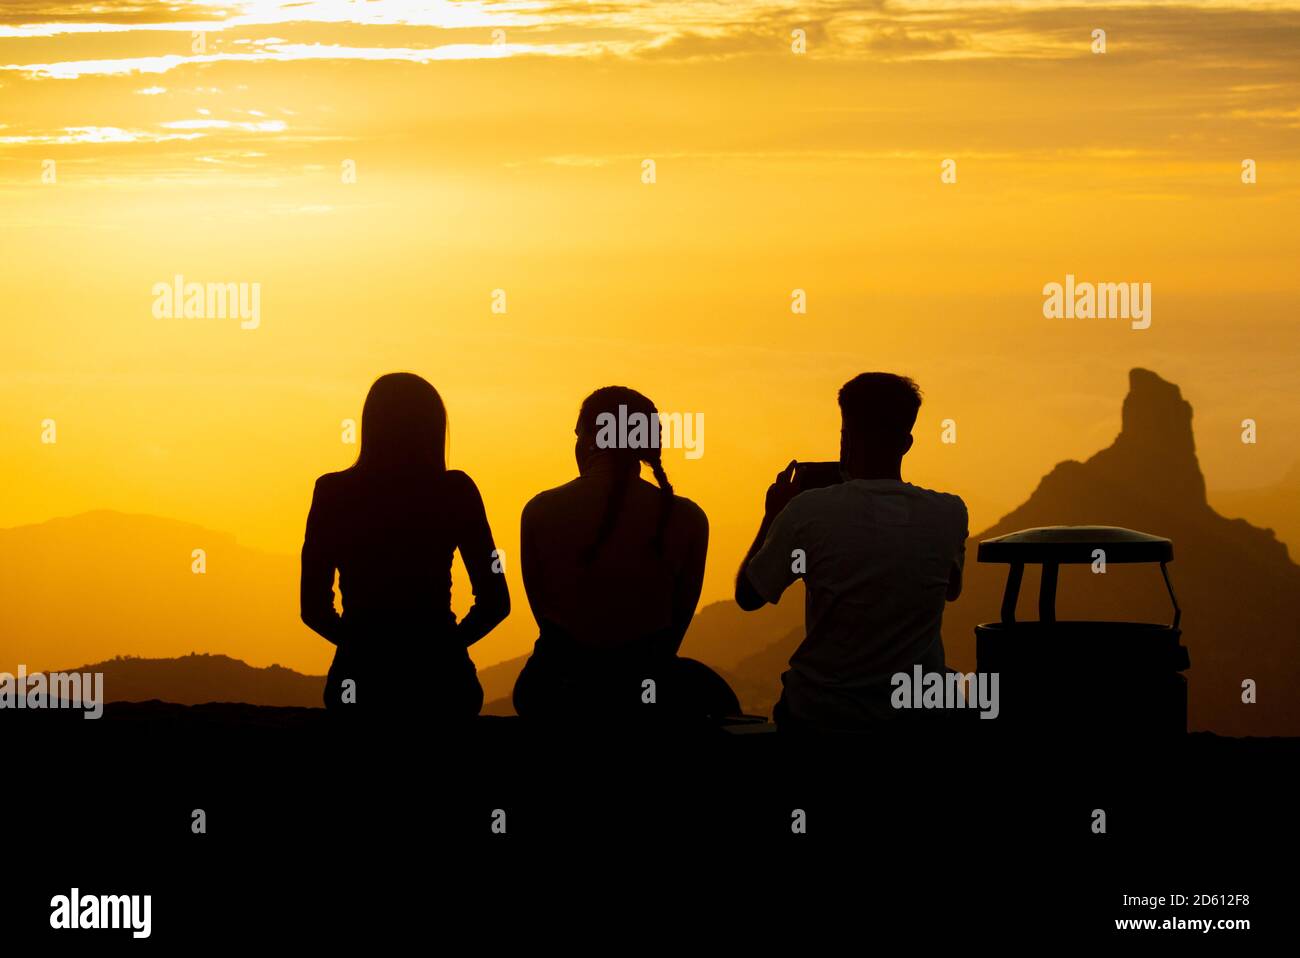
(517, 165)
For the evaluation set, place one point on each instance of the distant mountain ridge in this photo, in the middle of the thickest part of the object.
(199, 679)
(84, 588)
(1275, 506)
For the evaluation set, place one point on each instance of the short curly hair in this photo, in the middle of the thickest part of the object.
(880, 405)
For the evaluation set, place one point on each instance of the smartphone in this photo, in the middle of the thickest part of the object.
(815, 475)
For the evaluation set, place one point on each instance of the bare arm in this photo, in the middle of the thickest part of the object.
(778, 495)
(316, 584)
(529, 560)
(689, 581)
(747, 596)
(486, 567)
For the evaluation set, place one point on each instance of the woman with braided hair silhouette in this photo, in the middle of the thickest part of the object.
(612, 566)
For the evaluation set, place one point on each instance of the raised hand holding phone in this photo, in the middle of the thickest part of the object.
(780, 492)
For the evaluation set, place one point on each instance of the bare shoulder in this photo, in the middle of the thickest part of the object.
(458, 481)
(332, 482)
(549, 500)
(689, 515)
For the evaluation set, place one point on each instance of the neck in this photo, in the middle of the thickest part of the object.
(876, 470)
(605, 465)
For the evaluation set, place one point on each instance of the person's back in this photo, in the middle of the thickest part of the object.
(613, 567)
(392, 539)
(879, 558)
(624, 597)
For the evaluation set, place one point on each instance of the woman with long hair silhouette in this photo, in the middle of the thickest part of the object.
(613, 567)
(389, 525)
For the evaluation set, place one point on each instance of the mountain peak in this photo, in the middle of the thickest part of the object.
(1155, 446)
(1155, 410)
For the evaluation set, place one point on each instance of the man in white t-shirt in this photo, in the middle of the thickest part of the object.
(879, 557)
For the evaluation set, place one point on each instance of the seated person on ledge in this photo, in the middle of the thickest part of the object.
(613, 567)
(878, 556)
(390, 526)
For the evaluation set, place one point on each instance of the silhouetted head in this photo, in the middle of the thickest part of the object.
(617, 430)
(878, 411)
(403, 426)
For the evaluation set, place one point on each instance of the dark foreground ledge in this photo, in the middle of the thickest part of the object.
(313, 826)
(167, 718)
(141, 754)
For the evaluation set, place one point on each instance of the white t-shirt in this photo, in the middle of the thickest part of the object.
(876, 556)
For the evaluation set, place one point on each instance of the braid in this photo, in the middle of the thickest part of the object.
(666, 490)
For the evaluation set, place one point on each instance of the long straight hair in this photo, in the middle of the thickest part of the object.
(403, 426)
(608, 399)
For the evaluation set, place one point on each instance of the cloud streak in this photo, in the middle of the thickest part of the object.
(672, 29)
(286, 53)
